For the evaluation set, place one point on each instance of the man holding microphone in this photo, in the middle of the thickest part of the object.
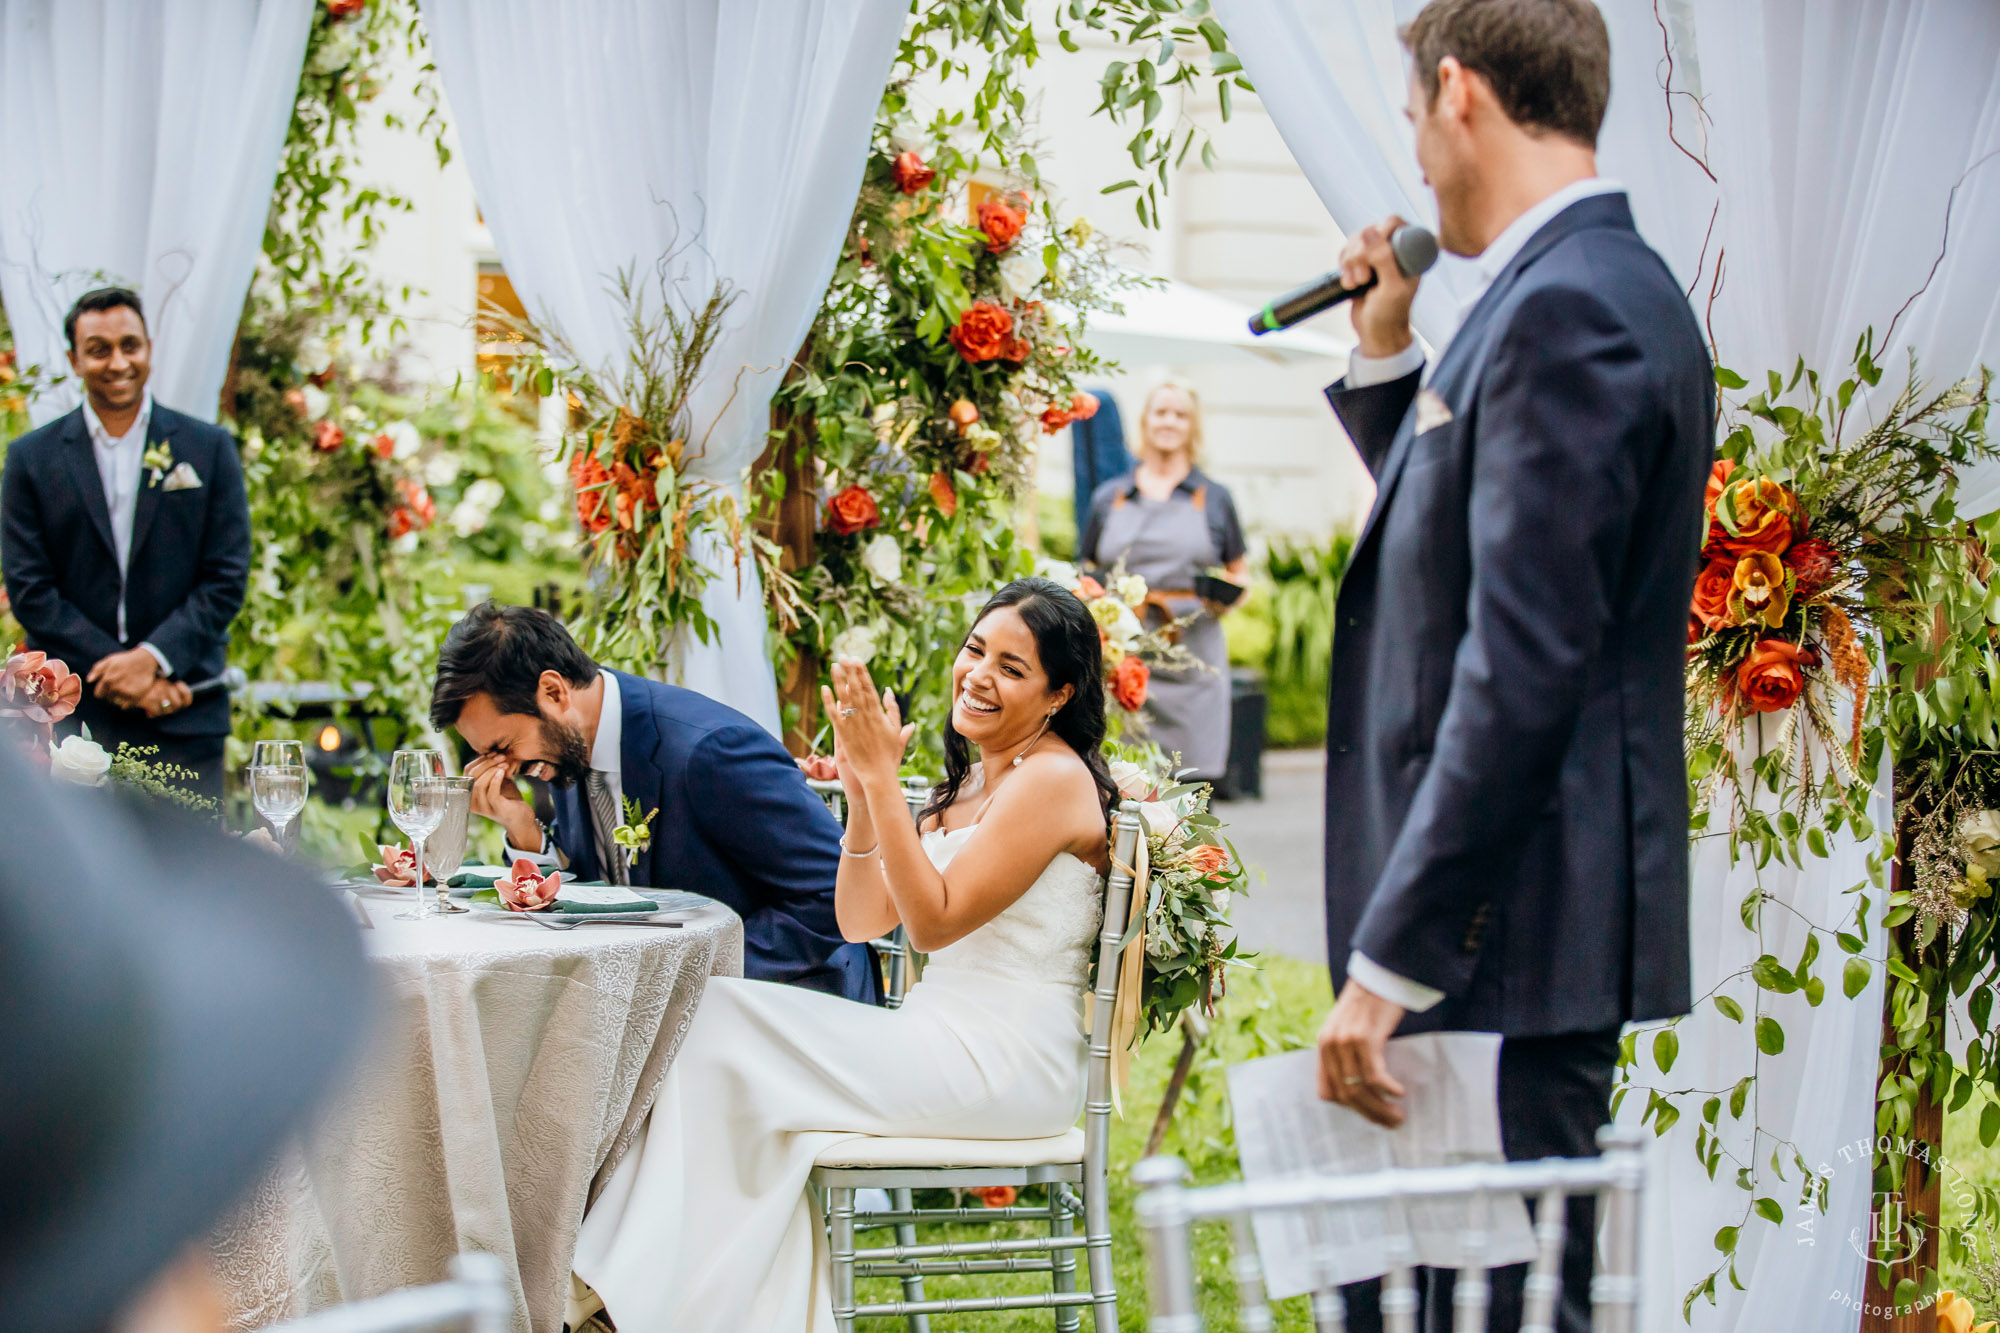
(1506, 789)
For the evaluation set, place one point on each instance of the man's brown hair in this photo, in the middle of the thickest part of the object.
(1547, 61)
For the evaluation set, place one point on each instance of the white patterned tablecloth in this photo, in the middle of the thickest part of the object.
(512, 1070)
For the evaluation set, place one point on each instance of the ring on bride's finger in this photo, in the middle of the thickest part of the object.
(847, 712)
(1353, 1079)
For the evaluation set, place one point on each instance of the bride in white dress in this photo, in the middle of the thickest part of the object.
(707, 1222)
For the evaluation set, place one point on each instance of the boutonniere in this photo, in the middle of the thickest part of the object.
(636, 833)
(159, 459)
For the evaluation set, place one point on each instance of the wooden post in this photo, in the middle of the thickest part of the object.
(1918, 1190)
(790, 452)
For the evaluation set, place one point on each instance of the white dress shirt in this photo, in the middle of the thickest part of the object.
(605, 757)
(120, 462)
(1363, 371)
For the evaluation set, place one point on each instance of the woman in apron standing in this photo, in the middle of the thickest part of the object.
(1169, 522)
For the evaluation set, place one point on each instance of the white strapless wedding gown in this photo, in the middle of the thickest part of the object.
(707, 1223)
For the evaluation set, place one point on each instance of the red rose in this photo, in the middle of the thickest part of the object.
(1001, 222)
(911, 173)
(420, 502)
(385, 448)
(328, 437)
(344, 9)
(943, 494)
(1814, 563)
(401, 523)
(1054, 418)
(1128, 683)
(1711, 593)
(985, 332)
(998, 1196)
(1081, 405)
(1773, 676)
(851, 511)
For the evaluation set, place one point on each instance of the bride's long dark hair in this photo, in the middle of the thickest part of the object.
(1066, 639)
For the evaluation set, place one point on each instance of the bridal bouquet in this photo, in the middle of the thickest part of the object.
(1189, 877)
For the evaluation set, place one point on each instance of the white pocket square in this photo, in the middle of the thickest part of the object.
(182, 478)
(1431, 411)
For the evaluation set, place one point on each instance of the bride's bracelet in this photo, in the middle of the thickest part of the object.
(862, 856)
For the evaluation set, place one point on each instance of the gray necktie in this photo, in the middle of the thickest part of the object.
(603, 819)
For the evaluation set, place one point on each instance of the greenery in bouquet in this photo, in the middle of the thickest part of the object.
(1186, 940)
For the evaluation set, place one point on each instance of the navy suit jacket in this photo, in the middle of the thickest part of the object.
(736, 823)
(184, 581)
(1506, 788)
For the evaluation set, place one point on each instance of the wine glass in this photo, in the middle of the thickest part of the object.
(416, 804)
(278, 783)
(447, 844)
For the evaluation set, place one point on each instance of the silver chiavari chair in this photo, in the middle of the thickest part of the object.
(1168, 1208)
(1069, 1164)
(892, 951)
(475, 1299)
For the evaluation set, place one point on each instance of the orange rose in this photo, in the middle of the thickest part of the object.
(1081, 405)
(343, 9)
(1128, 683)
(910, 172)
(964, 413)
(851, 511)
(1767, 518)
(1001, 222)
(419, 500)
(588, 476)
(1717, 476)
(1697, 631)
(1773, 676)
(1209, 860)
(1760, 590)
(328, 437)
(385, 448)
(1089, 588)
(985, 332)
(1054, 418)
(943, 494)
(1711, 594)
(998, 1196)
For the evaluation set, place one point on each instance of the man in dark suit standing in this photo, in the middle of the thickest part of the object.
(1506, 832)
(125, 538)
(730, 814)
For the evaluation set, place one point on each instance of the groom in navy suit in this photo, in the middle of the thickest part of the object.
(730, 814)
(1506, 830)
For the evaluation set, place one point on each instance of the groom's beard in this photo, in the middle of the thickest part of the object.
(571, 759)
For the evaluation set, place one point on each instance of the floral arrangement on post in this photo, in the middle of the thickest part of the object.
(1131, 651)
(650, 522)
(1835, 573)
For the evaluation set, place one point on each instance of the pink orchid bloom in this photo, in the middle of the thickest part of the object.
(527, 889)
(39, 688)
(398, 868)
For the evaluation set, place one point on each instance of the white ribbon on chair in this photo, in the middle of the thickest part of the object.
(138, 144)
(723, 138)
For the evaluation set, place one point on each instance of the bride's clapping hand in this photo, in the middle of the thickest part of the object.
(868, 729)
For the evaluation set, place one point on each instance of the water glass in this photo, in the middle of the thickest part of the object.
(278, 791)
(446, 846)
(416, 804)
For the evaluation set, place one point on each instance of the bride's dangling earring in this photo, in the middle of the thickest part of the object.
(1038, 738)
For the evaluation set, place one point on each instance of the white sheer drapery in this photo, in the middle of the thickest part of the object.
(1834, 136)
(723, 138)
(138, 144)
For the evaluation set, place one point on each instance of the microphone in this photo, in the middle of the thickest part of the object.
(1416, 250)
(233, 679)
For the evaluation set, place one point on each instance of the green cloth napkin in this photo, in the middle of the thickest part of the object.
(485, 879)
(492, 896)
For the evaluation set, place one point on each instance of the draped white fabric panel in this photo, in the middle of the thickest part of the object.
(138, 144)
(604, 135)
(1832, 136)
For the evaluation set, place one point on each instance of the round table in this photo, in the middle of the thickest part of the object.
(511, 1068)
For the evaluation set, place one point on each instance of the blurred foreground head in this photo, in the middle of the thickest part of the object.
(174, 1004)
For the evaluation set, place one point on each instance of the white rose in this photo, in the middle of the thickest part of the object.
(1133, 782)
(407, 441)
(883, 558)
(404, 544)
(1131, 590)
(336, 51)
(1124, 630)
(442, 470)
(1056, 571)
(1020, 271)
(1979, 838)
(316, 402)
(85, 763)
(1160, 817)
(487, 493)
(856, 641)
(469, 519)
